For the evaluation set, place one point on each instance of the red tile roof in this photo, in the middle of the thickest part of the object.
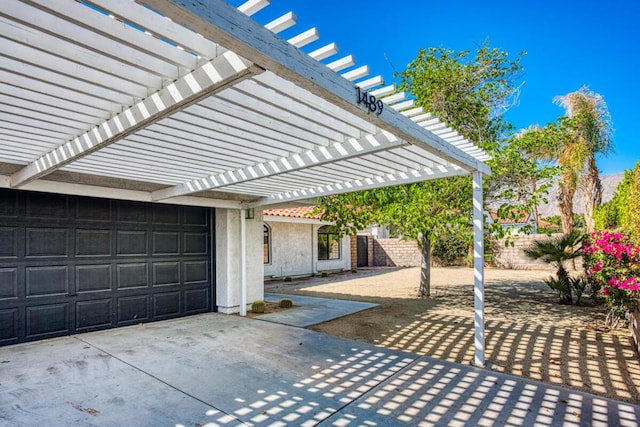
(299, 212)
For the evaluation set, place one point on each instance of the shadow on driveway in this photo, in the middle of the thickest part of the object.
(220, 370)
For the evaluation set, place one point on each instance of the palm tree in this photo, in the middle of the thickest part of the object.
(590, 134)
(556, 252)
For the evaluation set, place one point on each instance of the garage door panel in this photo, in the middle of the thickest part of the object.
(93, 278)
(166, 273)
(166, 304)
(47, 242)
(8, 242)
(196, 301)
(90, 209)
(133, 309)
(195, 243)
(9, 331)
(93, 243)
(166, 214)
(195, 272)
(8, 283)
(46, 205)
(94, 314)
(131, 243)
(132, 276)
(47, 281)
(48, 319)
(166, 243)
(195, 216)
(135, 212)
(8, 203)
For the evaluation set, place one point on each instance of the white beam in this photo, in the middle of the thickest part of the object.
(478, 270)
(251, 7)
(210, 78)
(404, 105)
(305, 38)
(371, 82)
(319, 156)
(356, 73)
(383, 91)
(57, 187)
(387, 180)
(324, 52)
(396, 97)
(342, 63)
(413, 113)
(282, 23)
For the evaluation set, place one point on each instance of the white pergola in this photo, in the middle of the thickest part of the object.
(193, 102)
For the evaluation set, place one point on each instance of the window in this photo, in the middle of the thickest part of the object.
(266, 245)
(328, 243)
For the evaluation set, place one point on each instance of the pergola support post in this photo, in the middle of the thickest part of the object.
(243, 263)
(478, 269)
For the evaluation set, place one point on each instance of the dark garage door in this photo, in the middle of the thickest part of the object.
(74, 264)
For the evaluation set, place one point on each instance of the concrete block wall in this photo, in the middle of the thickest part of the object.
(513, 256)
(354, 252)
(396, 253)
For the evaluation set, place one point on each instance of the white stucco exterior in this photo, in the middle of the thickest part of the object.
(294, 249)
(227, 259)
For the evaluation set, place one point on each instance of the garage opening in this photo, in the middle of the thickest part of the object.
(73, 264)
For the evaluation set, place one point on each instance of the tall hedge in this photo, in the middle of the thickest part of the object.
(632, 212)
(623, 211)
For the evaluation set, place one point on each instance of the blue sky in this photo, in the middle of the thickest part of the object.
(569, 44)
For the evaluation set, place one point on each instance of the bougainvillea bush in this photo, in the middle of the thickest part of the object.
(612, 263)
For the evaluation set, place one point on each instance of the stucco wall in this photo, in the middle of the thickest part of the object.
(396, 253)
(291, 250)
(294, 251)
(227, 254)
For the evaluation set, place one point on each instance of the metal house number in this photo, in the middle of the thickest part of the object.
(370, 102)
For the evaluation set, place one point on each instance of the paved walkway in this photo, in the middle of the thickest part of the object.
(219, 370)
(309, 311)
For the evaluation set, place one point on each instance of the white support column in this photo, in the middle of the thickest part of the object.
(243, 263)
(478, 269)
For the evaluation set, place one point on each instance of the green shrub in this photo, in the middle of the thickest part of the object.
(450, 248)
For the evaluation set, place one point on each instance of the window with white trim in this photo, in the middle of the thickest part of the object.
(328, 243)
(266, 245)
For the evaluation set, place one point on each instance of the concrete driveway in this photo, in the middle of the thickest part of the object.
(219, 370)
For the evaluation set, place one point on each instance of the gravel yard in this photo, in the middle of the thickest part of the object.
(528, 333)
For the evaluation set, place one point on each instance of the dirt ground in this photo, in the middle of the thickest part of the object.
(527, 333)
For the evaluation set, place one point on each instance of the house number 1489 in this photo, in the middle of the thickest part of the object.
(373, 105)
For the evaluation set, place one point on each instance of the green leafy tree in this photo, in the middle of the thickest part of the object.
(418, 211)
(530, 172)
(471, 94)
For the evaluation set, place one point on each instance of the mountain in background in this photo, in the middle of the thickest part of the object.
(609, 184)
